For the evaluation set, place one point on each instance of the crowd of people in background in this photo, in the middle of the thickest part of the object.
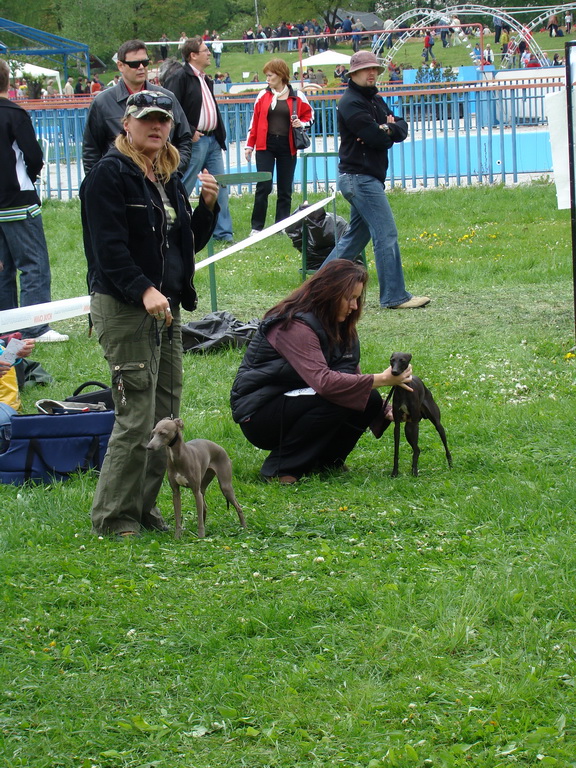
(506, 51)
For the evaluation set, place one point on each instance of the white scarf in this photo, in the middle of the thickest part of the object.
(277, 95)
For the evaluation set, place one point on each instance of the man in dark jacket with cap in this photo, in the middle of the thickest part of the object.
(367, 130)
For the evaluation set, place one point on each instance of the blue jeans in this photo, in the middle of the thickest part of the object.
(207, 153)
(23, 248)
(6, 413)
(371, 218)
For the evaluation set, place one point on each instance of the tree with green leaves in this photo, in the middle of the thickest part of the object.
(301, 10)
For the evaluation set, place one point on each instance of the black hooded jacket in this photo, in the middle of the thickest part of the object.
(124, 226)
(360, 113)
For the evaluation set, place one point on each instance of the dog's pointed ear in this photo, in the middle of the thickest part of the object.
(179, 423)
(408, 356)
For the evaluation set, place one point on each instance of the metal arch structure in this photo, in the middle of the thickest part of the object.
(442, 16)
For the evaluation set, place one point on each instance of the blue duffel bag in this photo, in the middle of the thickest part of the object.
(48, 448)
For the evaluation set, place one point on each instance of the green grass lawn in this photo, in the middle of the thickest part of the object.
(359, 620)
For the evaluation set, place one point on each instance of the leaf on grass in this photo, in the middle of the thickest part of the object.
(544, 732)
(140, 724)
(303, 733)
(461, 749)
(228, 712)
(253, 733)
(410, 752)
(507, 750)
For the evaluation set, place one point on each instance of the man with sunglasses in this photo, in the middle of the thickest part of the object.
(195, 92)
(104, 121)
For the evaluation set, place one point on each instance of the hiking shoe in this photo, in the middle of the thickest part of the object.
(414, 303)
(52, 335)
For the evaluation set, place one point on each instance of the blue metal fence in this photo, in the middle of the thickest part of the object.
(458, 135)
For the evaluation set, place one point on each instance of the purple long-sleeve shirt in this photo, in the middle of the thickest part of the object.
(300, 347)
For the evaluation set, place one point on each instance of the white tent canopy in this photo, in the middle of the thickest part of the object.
(21, 70)
(326, 58)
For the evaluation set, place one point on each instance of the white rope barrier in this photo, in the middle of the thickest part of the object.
(38, 314)
(271, 230)
(52, 311)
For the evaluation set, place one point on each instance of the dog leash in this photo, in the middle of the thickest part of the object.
(170, 335)
(388, 398)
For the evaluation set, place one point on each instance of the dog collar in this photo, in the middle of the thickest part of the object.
(173, 442)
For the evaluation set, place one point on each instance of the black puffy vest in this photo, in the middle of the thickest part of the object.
(264, 374)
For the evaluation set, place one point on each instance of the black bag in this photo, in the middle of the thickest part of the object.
(301, 138)
(101, 395)
(216, 330)
(47, 448)
(323, 229)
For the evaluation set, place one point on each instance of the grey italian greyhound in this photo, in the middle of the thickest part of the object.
(193, 465)
(411, 407)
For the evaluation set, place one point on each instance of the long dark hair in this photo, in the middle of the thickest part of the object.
(322, 294)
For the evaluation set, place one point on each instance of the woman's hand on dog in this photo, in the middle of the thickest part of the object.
(387, 379)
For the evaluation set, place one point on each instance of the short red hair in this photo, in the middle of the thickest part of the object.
(278, 67)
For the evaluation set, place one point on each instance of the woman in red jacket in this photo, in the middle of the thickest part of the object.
(270, 135)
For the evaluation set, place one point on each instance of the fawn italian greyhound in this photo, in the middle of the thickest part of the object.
(411, 407)
(193, 465)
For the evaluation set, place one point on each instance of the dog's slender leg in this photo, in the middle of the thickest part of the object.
(231, 499)
(442, 434)
(396, 446)
(200, 511)
(432, 412)
(225, 483)
(411, 431)
(238, 509)
(177, 504)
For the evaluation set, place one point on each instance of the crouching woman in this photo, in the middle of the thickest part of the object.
(299, 392)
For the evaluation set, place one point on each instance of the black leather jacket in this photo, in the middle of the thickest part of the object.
(124, 226)
(104, 123)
